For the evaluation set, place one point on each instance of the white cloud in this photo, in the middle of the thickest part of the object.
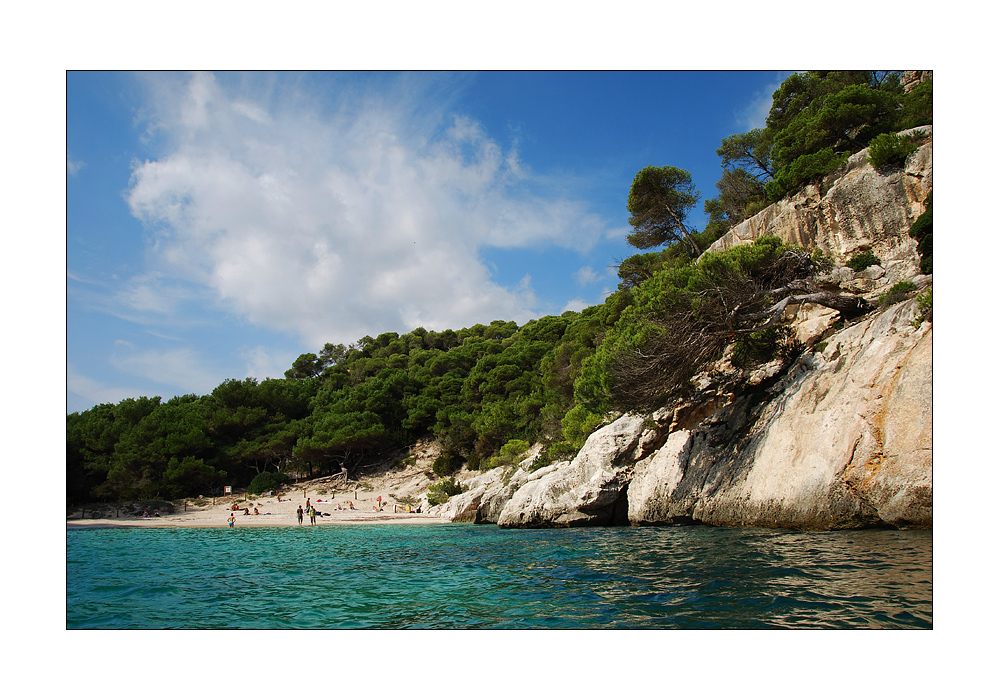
(179, 367)
(575, 305)
(585, 276)
(339, 222)
(74, 166)
(263, 363)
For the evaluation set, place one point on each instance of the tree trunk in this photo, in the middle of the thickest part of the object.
(686, 238)
(848, 305)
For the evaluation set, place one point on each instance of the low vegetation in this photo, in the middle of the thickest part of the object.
(890, 150)
(897, 293)
(862, 261)
(442, 490)
(925, 308)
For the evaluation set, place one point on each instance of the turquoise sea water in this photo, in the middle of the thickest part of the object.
(466, 576)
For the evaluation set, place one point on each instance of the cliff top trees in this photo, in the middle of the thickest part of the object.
(659, 201)
(817, 119)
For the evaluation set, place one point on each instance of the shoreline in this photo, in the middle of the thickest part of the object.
(253, 522)
(331, 509)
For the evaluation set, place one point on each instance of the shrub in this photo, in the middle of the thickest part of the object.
(510, 454)
(443, 490)
(918, 107)
(578, 424)
(897, 293)
(561, 451)
(925, 308)
(267, 481)
(862, 261)
(445, 464)
(922, 231)
(474, 461)
(807, 168)
(890, 150)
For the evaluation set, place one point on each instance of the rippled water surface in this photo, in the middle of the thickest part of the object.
(466, 576)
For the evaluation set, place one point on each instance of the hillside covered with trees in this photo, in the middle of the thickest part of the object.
(555, 379)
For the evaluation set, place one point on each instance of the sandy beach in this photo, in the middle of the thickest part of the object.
(332, 506)
(272, 513)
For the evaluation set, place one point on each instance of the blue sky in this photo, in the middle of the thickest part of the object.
(219, 225)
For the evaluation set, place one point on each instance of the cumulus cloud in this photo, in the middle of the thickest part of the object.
(263, 363)
(575, 305)
(338, 221)
(585, 276)
(74, 166)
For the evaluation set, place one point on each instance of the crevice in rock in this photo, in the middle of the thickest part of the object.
(619, 510)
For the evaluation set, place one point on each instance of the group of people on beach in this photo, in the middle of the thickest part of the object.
(310, 510)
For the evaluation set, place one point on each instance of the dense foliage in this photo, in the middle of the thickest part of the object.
(817, 119)
(489, 392)
(474, 390)
(658, 202)
(682, 318)
(890, 150)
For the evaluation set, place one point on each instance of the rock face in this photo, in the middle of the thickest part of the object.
(587, 491)
(862, 210)
(840, 438)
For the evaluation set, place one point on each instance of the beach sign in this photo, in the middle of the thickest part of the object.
(228, 490)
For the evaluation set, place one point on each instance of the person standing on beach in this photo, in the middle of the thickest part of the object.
(232, 520)
(299, 514)
(312, 515)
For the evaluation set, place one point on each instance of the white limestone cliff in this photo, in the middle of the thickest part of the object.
(841, 438)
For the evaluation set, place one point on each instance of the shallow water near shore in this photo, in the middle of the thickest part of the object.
(481, 577)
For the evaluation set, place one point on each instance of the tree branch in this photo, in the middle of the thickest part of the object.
(848, 306)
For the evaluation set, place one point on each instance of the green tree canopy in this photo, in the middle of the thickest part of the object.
(659, 202)
(819, 118)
